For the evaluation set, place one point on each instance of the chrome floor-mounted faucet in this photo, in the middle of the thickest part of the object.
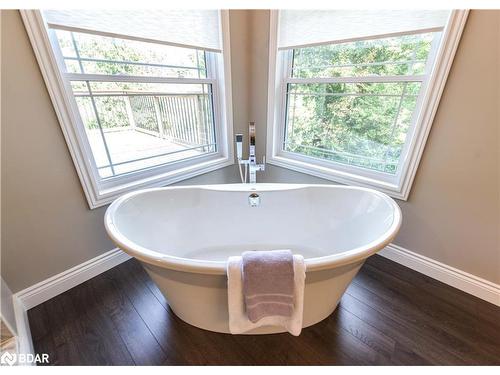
(251, 163)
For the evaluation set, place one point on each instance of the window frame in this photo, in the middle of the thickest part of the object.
(398, 185)
(100, 191)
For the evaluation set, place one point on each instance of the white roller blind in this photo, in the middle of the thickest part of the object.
(300, 28)
(187, 28)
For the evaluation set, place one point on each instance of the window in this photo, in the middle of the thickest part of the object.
(141, 96)
(352, 93)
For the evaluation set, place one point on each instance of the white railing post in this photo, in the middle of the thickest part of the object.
(158, 117)
(200, 123)
(130, 113)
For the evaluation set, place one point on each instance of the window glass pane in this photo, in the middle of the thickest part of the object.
(72, 66)
(363, 124)
(94, 54)
(402, 55)
(132, 126)
(65, 43)
(359, 124)
(95, 138)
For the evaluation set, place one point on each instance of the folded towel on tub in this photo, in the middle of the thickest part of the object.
(266, 288)
(268, 283)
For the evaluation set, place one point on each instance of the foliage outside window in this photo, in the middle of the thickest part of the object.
(362, 123)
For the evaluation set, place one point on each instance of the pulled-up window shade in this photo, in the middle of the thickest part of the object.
(198, 29)
(301, 28)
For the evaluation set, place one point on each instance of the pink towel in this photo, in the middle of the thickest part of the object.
(268, 283)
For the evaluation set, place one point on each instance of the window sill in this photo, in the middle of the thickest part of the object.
(104, 196)
(331, 173)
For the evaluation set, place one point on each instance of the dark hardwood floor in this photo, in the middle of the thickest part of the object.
(390, 315)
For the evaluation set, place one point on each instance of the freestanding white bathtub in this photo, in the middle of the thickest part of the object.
(184, 235)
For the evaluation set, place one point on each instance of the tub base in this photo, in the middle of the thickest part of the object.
(201, 299)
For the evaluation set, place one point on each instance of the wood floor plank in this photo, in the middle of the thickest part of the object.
(364, 332)
(487, 314)
(403, 356)
(330, 347)
(389, 315)
(414, 324)
(87, 333)
(63, 332)
(431, 316)
(354, 347)
(137, 337)
(462, 322)
(40, 330)
(178, 347)
(407, 337)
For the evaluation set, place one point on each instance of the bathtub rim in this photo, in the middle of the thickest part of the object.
(219, 267)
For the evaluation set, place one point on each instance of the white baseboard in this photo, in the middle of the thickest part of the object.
(454, 277)
(55, 285)
(24, 341)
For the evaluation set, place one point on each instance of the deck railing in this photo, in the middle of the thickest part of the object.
(181, 118)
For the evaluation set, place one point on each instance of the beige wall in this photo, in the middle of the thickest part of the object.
(451, 216)
(46, 225)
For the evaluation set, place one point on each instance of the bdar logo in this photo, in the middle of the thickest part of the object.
(8, 359)
(11, 359)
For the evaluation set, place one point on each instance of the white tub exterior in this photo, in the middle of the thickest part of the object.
(184, 235)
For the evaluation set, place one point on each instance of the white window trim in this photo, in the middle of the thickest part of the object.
(99, 193)
(397, 187)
